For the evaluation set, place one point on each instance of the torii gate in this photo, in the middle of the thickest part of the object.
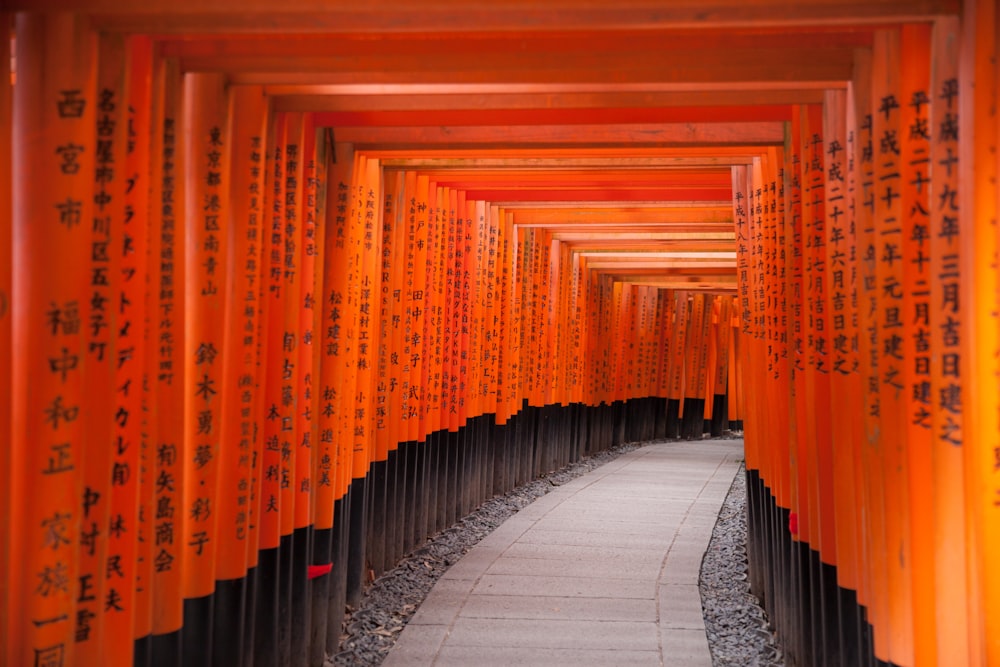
(295, 285)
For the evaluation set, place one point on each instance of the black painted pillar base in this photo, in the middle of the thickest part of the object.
(693, 423)
(407, 464)
(672, 419)
(142, 651)
(286, 563)
(393, 510)
(375, 549)
(431, 491)
(166, 649)
(660, 417)
(197, 632)
(249, 614)
(356, 563)
(228, 616)
(424, 491)
(322, 554)
(338, 581)
(720, 418)
(452, 446)
(301, 607)
(266, 648)
(819, 623)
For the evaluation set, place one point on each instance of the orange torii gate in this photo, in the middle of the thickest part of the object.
(276, 307)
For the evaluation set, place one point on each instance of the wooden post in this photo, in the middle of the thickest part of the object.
(301, 212)
(384, 446)
(133, 330)
(861, 149)
(741, 222)
(817, 183)
(948, 267)
(368, 179)
(166, 364)
(888, 437)
(915, 132)
(323, 471)
(244, 241)
(332, 404)
(207, 216)
(978, 286)
(877, 597)
(675, 395)
(269, 501)
(54, 107)
(724, 329)
(839, 132)
(108, 472)
(6, 286)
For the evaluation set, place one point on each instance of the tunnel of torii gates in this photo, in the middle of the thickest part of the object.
(289, 287)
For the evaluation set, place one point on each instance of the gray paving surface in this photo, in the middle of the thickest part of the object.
(601, 571)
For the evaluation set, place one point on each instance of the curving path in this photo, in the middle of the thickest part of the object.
(601, 571)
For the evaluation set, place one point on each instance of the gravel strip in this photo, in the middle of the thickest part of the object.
(739, 633)
(388, 604)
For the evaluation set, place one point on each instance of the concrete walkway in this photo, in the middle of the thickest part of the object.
(600, 571)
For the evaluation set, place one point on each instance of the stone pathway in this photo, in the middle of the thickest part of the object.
(601, 571)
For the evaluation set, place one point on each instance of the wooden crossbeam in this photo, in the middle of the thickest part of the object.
(642, 242)
(707, 286)
(629, 263)
(588, 218)
(660, 194)
(528, 163)
(704, 177)
(541, 153)
(333, 84)
(395, 16)
(640, 134)
(262, 62)
(484, 41)
(694, 231)
(316, 98)
(635, 277)
(459, 116)
(616, 255)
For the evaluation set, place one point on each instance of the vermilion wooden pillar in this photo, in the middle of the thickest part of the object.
(877, 598)
(743, 272)
(109, 482)
(368, 221)
(131, 385)
(385, 424)
(293, 550)
(678, 334)
(272, 411)
(886, 434)
(332, 405)
(324, 465)
(53, 203)
(949, 328)
(239, 421)
(351, 384)
(6, 277)
(816, 182)
(206, 172)
(841, 286)
(916, 249)
(863, 174)
(165, 366)
(979, 202)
